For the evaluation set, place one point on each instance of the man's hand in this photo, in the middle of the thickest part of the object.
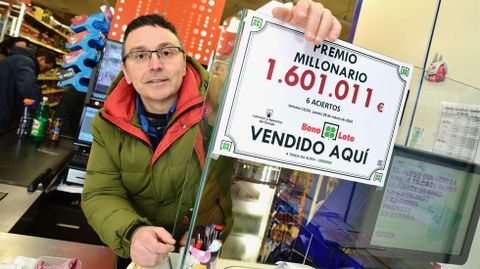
(183, 241)
(150, 245)
(319, 23)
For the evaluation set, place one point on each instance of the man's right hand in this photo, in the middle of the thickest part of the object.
(150, 245)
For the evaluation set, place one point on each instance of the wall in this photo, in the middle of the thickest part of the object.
(402, 32)
(396, 30)
(457, 37)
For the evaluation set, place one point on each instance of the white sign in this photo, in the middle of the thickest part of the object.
(329, 109)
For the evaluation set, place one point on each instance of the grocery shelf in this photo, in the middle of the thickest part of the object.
(43, 44)
(54, 104)
(44, 92)
(43, 77)
(29, 15)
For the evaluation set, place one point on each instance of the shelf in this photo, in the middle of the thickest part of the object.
(44, 92)
(43, 44)
(256, 181)
(54, 104)
(7, 4)
(46, 25)
(43, 77)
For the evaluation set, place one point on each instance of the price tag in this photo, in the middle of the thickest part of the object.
(330, 109)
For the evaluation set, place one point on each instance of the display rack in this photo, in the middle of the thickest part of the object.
(43, 44)
(253, 192)
(35, 19)
(86, 48)
(11, 17)
(44, 77)
(44, 92)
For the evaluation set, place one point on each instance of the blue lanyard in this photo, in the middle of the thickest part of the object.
(152, 132)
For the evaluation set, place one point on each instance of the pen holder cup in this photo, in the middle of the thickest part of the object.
(201, 259)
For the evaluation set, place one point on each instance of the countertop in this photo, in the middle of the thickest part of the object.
(22, 160)
(91, 256)
(14, 204)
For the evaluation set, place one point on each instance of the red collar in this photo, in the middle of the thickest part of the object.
(120, 109)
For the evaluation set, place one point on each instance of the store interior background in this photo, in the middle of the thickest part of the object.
(400, 30)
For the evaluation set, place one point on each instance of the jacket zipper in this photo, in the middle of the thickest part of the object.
(185, 111)
(177, 117)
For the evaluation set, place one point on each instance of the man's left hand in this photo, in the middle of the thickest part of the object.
(319, 23)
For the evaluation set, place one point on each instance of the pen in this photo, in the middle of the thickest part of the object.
(42, 176)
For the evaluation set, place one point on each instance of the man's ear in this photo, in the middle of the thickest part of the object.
(125, 74)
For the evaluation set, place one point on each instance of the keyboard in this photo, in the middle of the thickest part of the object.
(79, 160)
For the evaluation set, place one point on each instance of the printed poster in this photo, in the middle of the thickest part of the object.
(330, 109)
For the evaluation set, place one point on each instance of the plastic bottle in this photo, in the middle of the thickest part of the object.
(40, 121)
(66, 74)
(26, 119)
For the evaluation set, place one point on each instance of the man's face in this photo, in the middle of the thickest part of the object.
(42, 64)
(155, 80)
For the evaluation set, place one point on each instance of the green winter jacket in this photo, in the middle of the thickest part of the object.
(130, 182)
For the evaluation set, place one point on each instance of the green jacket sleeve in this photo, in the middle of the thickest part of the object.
(104, 199)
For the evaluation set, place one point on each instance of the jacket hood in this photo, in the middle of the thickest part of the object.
(27, 53)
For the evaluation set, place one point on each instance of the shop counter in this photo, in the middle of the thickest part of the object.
(232, 264)
(91, 256)
(219, 264)
(14, 202)
(23, 160)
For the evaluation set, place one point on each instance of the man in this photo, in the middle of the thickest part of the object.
(46, 60)
(18, 79)
(143, 172)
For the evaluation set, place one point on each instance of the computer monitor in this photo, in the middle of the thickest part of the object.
(427, 211)
(84, 137)
(106, 71)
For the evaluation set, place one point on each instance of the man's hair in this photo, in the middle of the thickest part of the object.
(50, 57)
(7, 45)
(149, 20)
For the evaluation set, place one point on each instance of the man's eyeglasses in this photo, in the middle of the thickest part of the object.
(144, 56)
